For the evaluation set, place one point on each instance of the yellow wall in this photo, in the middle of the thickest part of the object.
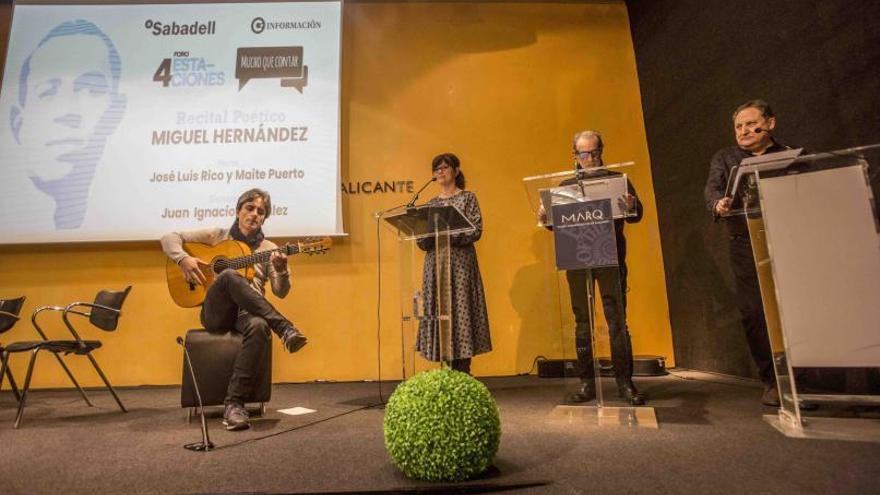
(504, 86)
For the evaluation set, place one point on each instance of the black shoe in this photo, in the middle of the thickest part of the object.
(771, 396)
(628, 392)
(585, 394)
(808, 406)
(293, 340)
(235, 417)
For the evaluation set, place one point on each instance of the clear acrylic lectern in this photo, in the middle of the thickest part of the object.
(580, 207)
(815, 235)
(431, 226)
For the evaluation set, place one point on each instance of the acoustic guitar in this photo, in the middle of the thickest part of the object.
(227, 255)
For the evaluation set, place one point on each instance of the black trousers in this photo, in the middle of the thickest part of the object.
(612, 286)
(748, 299)
(231, 304)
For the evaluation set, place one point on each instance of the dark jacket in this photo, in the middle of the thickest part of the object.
(716, 184)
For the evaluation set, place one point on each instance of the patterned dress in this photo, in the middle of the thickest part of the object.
(470, 323)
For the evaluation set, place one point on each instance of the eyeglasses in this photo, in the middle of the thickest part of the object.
(583, 155)
(442, 167)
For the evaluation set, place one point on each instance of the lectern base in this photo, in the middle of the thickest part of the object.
(823, 428)
(641, 417)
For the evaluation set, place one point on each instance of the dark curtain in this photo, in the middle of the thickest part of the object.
(816, 62)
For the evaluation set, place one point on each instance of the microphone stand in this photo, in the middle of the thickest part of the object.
(206, 444)
(379, 214)
(408, 205)
(412, 202)
(579, 174)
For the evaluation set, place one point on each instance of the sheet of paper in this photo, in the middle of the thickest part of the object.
(296, 411)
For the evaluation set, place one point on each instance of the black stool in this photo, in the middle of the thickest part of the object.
(213, 356)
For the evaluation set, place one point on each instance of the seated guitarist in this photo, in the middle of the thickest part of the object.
(234, 303)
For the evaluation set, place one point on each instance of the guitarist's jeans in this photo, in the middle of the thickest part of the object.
(258, 318)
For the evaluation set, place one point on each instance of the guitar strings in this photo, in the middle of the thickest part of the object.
(259, 257)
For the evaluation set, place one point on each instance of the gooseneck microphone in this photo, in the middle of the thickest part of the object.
(205, 445)
(416, 197)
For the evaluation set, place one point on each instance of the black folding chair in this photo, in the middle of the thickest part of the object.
(9, 311)
(103, 313)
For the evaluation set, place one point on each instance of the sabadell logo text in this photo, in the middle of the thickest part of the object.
(197, 28)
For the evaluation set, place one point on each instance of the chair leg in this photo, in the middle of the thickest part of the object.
(106, 381)
(72, 379)
(189, 415)
(5, 371)
(262, 409)
(12, 384)
(27, 386)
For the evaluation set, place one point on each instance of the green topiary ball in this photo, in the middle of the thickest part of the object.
(442, 425)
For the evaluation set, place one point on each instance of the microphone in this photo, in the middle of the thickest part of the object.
(416, 197)
(205, 445)
(759, 130)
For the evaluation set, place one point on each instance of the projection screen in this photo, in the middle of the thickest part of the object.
(122, 122)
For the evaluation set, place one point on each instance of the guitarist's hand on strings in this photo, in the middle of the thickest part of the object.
(279, 261)
(192, 273)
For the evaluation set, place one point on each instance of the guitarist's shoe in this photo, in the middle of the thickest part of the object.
(293, 340)
(235, 417)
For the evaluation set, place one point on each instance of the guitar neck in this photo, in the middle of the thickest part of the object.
(253, 258)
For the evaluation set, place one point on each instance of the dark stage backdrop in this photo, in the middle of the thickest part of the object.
(816, 62)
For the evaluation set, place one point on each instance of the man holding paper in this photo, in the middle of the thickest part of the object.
(753, 124)
(611, 281)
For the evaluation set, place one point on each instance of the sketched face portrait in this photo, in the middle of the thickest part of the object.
(68, 105)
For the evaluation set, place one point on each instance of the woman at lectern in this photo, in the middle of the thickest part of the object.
(470, 323)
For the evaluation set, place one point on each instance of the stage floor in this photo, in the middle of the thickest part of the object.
(711, 439)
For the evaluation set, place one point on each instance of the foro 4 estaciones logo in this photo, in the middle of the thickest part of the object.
(259, 25)
(196, 28)
(185, 70)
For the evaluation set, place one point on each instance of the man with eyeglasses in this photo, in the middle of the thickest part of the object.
(238, 304)
(587, 148)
